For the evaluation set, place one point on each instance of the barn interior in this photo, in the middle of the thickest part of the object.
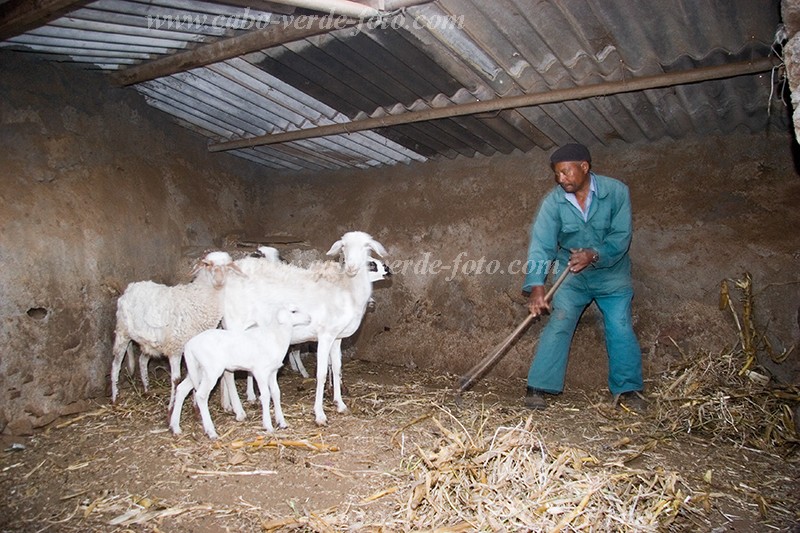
(140, 135)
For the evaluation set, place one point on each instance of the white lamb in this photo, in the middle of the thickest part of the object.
(259, 349)
(334, 296)
(161, 318)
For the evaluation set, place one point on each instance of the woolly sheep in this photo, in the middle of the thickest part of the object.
(334, 296)
(263, 252)
(161, 318)
(259, 349)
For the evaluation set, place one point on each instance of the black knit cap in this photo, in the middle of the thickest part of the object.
(571, 152)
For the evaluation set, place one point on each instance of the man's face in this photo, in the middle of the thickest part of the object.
(572, 176)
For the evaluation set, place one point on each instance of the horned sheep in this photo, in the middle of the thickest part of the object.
(378, 271)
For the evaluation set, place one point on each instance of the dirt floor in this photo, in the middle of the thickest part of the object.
(377, 467)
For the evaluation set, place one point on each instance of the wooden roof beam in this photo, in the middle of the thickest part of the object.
(272, 35)
(19, 16)
(656, 81)
(282, 31)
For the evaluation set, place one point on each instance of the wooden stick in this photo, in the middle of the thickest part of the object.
(468, 379)
(200, 472)
(81, 417)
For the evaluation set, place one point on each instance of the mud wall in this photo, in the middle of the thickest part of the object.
(704, 210)
(97, 189)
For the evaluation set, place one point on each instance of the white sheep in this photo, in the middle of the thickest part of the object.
(269, 253)
(378, 270)
(259, 349)
(161, 318)
(334, 296)
(251, 265)
(263, 252)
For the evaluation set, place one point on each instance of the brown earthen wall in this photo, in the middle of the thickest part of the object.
(705, 210)
(97, 189)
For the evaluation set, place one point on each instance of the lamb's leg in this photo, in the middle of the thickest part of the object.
(232, 396)
(323, 353)
(201, 394)
(297, 363)
(181, 392)
(144, 359)
(225, 391)
(174, 375)
(131, 361)
(275, 392)
(121, 342)
(264, 388)
(251, 392)
(336, 374)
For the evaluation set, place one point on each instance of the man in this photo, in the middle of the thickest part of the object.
(583, 224)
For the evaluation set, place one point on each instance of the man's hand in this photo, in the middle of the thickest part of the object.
(581, 258)
(536, 302)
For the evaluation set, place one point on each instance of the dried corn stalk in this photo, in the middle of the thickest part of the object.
(753, 342)
(727, 395)
(511, 481)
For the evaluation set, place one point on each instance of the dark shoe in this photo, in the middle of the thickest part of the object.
(632, 401)
(534, 399)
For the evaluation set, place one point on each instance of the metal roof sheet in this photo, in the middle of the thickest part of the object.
(440, 54)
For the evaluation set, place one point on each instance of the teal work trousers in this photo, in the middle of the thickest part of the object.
(549, 365)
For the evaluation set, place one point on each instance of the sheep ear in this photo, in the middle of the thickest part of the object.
(235, 268)
(377, 247)
(336, 248)
(201, 264)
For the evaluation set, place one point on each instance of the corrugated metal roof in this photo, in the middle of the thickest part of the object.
(440, 54)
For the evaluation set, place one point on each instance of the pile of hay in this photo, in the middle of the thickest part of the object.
(511, 480)
(726, 395)
(488, 465)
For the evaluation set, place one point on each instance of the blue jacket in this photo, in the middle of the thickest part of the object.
(559, 226)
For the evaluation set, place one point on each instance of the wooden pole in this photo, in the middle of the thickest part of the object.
(487, 362)
(19, 16)
(558, 95)
(273, 35)
(280, 32)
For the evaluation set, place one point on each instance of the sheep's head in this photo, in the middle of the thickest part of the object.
(355, 246)
(268, 252)
(217, 265)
